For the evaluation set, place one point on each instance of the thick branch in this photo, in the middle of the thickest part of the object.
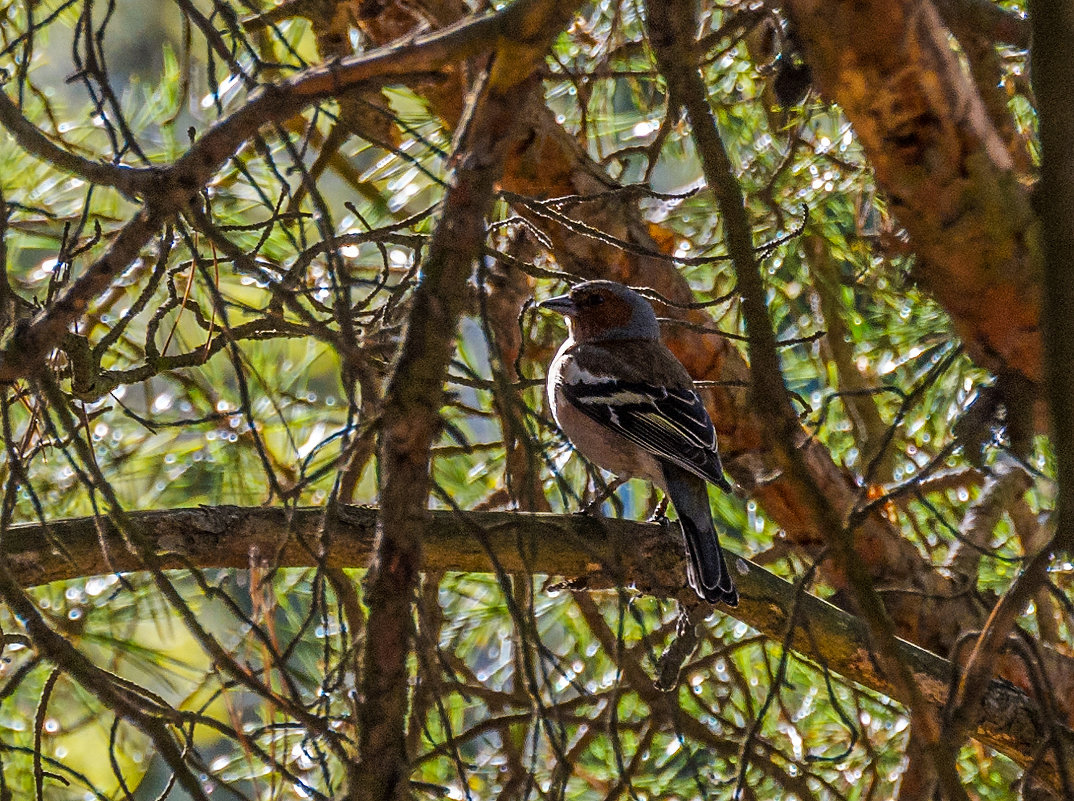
(937, 156)
(1053, 36)
(1053, 72)
(568, 545)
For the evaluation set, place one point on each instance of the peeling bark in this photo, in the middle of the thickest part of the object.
(937, 156)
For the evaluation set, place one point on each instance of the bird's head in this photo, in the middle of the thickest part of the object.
(597, 310)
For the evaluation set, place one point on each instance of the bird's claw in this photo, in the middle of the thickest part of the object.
(591, 509)
(659, 514)
(660, 519)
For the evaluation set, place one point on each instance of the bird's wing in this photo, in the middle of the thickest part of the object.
(672, 424)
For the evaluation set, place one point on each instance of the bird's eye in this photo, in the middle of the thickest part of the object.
(594, 300)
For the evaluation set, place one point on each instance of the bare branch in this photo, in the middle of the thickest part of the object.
(559, 545)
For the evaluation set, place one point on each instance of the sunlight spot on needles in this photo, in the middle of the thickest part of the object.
(644, 128)
(44, 269)
(314, 439)
(225, 88)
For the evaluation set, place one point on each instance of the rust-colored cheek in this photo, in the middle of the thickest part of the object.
(595, 319)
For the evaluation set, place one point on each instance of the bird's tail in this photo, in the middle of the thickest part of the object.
(706, 571)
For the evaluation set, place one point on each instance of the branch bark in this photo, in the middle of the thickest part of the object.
(1053, 76)
(607, 552)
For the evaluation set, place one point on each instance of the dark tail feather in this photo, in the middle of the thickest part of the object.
(706, 571)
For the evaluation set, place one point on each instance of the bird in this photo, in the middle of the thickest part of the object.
(628, 405)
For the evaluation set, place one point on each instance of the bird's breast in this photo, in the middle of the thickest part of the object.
(596, 442)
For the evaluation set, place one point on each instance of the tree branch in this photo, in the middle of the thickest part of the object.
(607, 552)
(941, 162)
(1053, 71)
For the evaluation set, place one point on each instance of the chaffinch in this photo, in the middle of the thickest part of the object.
(629, 406)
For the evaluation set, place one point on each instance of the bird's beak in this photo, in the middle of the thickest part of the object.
(561, 303)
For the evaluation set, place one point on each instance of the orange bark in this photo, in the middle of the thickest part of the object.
(938, 157)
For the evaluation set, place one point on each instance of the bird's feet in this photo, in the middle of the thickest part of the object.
(659, 514)
(592, 509)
